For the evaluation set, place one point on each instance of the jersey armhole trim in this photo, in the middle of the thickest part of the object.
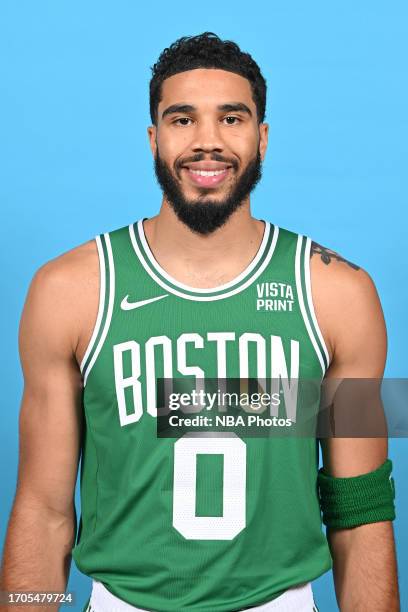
(110, 273)
(101, 305)
(299, 273)
(310, 301)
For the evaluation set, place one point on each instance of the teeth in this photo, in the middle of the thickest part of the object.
(207, 172)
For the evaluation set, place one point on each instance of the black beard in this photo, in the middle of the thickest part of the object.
(205, 217)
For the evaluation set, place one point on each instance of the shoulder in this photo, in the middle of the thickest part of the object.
(70, 272)
(345, 298)
(63, 294)
(341, 277)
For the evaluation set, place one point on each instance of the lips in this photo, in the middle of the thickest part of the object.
(207, 174)
(207, 178)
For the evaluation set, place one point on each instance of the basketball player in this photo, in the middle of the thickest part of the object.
(203, 288)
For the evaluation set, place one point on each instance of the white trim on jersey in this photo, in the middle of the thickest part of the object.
(302, 303)
(110, 306)
(187, 296)
(101, 306)
(299, 598)
(230, 283)
(310, 298)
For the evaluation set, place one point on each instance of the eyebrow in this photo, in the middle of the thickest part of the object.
(189, 108)
(178, 108)
(235, 107)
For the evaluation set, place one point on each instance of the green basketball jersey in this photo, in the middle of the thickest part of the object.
(209, 524)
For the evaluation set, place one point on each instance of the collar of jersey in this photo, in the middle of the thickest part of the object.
(236, 285)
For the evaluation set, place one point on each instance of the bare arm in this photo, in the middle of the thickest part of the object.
(364, 559)
(42, 525)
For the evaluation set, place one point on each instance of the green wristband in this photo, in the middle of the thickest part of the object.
(357, 500)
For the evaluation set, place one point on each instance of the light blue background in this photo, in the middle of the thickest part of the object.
(74, 157)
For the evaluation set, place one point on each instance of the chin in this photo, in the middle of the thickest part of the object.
(203, 195)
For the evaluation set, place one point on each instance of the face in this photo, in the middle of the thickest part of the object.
(208, 146)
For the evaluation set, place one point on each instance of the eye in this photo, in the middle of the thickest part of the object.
(183, 121)
(231, 120)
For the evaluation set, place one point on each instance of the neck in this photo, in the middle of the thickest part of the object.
(204, 261)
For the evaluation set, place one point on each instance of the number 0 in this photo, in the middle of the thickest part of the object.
(185, 520)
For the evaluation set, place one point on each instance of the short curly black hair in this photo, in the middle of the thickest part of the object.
(206, 50)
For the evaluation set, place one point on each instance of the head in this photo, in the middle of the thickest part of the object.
(208, 136)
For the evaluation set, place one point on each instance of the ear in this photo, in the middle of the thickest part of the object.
(152, 133)
(263, 139)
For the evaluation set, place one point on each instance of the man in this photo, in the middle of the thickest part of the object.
(203, 289)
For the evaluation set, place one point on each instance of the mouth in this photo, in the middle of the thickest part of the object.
(207, 175)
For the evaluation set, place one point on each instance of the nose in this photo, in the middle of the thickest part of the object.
(207, 137)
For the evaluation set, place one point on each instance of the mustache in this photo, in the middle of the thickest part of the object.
(201, 157)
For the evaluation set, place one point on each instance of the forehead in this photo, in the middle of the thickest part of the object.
(206, 87)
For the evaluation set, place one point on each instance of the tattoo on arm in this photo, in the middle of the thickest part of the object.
(326, 255)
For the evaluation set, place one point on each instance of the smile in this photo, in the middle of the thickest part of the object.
(208, 172)
(207, 178)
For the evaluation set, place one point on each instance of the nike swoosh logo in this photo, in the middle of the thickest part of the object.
(126, 305)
